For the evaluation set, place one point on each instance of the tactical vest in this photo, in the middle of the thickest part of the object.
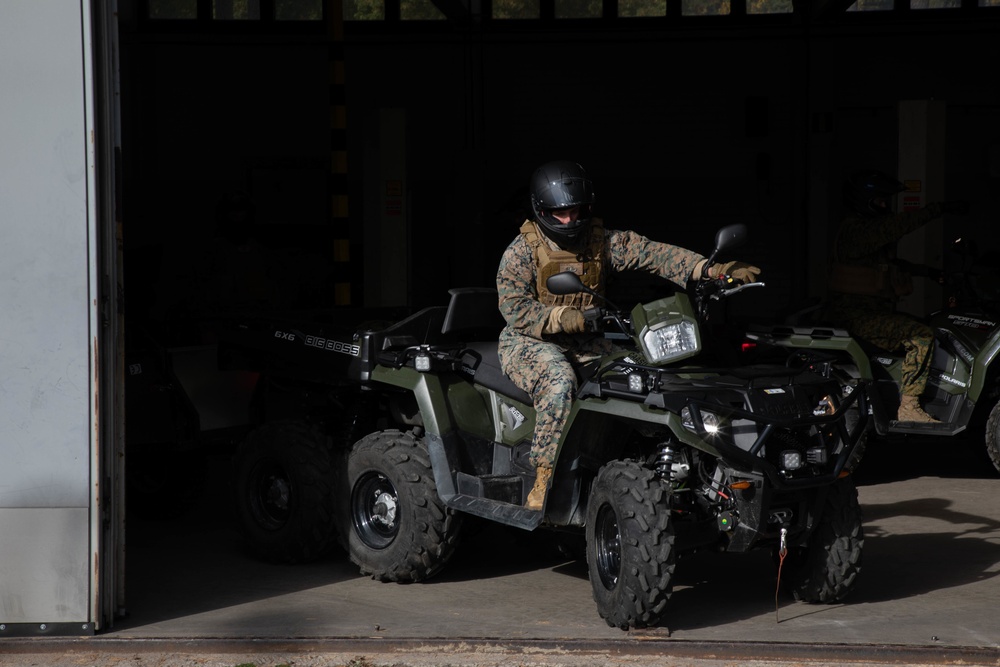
(885, 280)
(548, 262)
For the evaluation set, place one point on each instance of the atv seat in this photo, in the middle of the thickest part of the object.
(473, 314)
(482, 361)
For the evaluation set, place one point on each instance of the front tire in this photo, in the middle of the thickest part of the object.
(393, 524)
(826, 568)
(993, 436)
(630, 545)
(283, 492)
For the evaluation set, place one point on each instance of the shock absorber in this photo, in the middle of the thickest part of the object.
(672, 462)
(664, 465)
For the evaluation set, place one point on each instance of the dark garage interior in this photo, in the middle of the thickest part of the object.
(685, 123)
(349, 160)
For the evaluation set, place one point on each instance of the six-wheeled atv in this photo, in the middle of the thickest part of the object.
(307, 408)
(663, 453)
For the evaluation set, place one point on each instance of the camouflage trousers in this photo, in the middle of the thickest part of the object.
(892, 331)
(544, 370)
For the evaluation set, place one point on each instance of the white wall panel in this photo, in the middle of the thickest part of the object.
(47, 293)
(45, 346)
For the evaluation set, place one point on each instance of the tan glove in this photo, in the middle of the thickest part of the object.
(740, 271)
(571, 321)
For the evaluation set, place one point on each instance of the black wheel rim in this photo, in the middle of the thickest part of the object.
(374, 508)
(607, 547)
(270, 495)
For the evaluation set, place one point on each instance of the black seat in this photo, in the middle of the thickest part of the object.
(482, 361)
(473, 315)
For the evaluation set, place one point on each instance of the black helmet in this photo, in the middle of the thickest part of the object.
(556, 185)
(867, 192)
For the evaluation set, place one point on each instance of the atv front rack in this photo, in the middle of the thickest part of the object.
(762, 418)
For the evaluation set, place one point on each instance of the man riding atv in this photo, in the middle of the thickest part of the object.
(546, 334)
(866, 279)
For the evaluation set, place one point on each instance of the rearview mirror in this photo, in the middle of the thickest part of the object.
(730, 237)
(726, 238)
(566, 282)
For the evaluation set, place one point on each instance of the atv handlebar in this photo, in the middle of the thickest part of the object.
(717, 289)
(727, 290)
(614, 323)
(607, 321)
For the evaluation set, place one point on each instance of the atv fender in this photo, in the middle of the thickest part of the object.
(987, 355)
(445, 403)
(816, 338)
(448, 405)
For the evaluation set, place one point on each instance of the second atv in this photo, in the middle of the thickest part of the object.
(963, 386)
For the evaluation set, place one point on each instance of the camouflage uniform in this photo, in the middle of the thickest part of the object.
(541, 363)
(870, 243)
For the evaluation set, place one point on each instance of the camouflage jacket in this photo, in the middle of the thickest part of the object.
(871, 242)
(623, 251)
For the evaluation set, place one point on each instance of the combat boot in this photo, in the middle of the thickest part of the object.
(536, 499)
(910, 411)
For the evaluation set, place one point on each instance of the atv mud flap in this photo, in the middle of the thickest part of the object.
(748, 529)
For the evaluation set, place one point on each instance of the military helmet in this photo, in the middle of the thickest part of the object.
(868, 192)
(560, 185)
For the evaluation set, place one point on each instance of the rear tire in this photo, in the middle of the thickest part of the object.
(630, 545)
(392, 522)
(826, 569)
(283, 492)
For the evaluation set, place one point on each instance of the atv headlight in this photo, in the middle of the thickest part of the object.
(708, 419)
(673, 341)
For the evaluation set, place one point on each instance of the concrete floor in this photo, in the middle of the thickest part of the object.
(931, 560)
(929, 584)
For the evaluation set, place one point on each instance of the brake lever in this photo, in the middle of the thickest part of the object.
(729, 291)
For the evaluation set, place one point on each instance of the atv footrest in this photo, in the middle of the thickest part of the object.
(494, 510)
(924, 428)
(505, 488)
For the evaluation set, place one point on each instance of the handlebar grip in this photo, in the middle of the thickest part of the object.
(594, 317)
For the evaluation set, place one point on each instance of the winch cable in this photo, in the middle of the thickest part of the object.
(782, 552)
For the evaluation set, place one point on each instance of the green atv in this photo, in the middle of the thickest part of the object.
(963, 385)
(663, 453)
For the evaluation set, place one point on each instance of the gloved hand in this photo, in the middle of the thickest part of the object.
(572, 321)
(955, 207)
(739, 271)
